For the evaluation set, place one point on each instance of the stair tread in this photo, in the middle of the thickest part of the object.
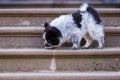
(61, 51)
(54, 11)
(38, 30)
(50, 73)
(21, 30)
(61, 75)
(52, 4)
(55, 2)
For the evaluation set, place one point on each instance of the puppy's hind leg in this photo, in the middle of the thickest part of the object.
(96, 32)
(99, 37)
(76, 42)
(100, 42)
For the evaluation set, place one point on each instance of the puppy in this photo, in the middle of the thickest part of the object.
(84, 23)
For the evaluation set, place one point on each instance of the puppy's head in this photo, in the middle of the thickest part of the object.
(52, 36)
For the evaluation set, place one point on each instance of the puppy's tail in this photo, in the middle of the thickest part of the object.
(84, 7)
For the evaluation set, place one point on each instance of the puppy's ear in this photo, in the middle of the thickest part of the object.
(46, 24)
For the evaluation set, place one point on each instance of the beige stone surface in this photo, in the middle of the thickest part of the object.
(39, 64)
(94, 63)
(42, 60)
(24, 64)
(24, 20)
(40, 20)
(31, 37)
(111, 21)
(38, 42)
(61, 76)
(21, 42)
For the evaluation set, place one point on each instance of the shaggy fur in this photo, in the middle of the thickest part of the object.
(84, 23)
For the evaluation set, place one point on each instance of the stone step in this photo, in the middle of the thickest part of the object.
(56, 4)
(36, 17)
(31, 37)
(60, 52)
(64, 59)
(61, 76)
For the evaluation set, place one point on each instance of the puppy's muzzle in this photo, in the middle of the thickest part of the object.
(47, 45)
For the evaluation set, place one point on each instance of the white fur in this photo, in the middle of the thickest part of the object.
(83, 7)
(67, 27)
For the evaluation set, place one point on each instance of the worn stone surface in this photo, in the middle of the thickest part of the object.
(88, 64)
(39, 60)
(111, 21)
(63, 63)
(40, 20)
(60, 76)
(111, 40)
(21, 42)
(26, 64)
(24, 21)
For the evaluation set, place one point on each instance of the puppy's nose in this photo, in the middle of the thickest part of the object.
(47, 45)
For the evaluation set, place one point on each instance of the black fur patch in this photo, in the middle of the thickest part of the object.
(77, 17)
(95, 14)
(52, 35)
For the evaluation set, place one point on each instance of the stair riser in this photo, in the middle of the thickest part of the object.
(24, 64)
(24, 20)
(63, 63)
(112, 40)
(36, 41)
(94, 63)
(55, 4)
(21, 42)
(33, 20)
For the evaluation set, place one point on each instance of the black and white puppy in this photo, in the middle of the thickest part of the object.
(84, 23)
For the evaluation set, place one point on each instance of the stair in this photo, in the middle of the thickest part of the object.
(35, 60)
(61, 76)
(31, 37)
(23, 57)
(57, 4)
(36, 17)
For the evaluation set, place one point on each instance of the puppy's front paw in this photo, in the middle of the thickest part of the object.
(75, 48)
(100, 47)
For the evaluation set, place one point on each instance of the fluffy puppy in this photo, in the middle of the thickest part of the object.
(84, 23)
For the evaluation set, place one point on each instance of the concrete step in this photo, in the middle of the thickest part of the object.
(62, 59)
(31, 37)
(61, 76)
(56, 4)
(37, 17)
